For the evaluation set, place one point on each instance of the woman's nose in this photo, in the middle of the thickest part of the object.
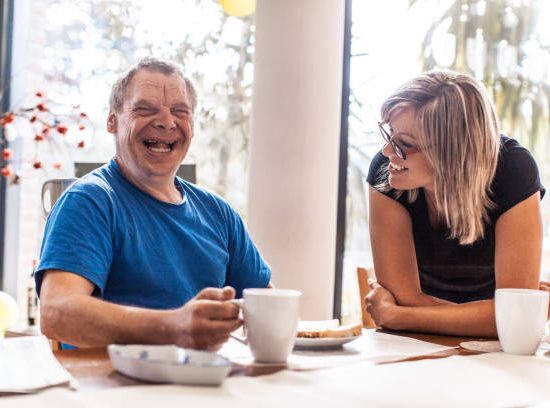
(387, 150)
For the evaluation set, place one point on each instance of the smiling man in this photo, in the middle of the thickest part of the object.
(134, 254)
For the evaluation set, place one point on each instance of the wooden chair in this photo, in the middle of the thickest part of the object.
(56, 345)
(363, 280)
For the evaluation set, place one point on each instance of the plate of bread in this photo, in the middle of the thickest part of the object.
(325, 334)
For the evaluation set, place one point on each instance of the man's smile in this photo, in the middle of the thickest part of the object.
(160, 146)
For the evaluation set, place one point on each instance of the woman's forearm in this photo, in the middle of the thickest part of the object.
(421, 299)
(475, 319)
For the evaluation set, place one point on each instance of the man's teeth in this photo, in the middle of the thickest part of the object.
(159, 147)
(397, 167)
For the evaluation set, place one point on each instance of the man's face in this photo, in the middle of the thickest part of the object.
(154, 126)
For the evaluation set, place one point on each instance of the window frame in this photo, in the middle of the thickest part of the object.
(6, 45)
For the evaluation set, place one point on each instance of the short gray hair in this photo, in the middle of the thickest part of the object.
(118, 91)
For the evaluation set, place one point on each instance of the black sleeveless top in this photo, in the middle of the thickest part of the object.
(464, 273)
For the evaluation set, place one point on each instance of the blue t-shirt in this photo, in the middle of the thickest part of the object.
(140, 251)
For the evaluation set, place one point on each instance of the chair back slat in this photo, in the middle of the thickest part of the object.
(363, 280)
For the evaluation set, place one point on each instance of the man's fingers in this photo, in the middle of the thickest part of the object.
(210, 294)
(226, 293)
(210, 342)
(218, 328)
(214, 310)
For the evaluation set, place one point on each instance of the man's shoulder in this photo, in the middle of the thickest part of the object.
(201, 193)
(205, 197)
(97, 183)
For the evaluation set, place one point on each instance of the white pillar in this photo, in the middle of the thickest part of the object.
(295, 145)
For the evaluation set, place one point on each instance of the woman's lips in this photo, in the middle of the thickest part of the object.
(396, 169)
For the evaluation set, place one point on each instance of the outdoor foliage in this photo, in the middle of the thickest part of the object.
(98, 39)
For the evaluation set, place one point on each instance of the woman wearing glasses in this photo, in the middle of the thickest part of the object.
(454, 210)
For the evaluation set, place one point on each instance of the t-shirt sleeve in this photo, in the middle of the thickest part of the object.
(377, 169)
(378, 174)
(77, 239)
(246, 268)
(517, 177)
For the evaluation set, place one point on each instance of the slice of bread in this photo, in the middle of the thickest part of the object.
(327, 329)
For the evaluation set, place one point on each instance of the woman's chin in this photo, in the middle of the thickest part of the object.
(399, 184)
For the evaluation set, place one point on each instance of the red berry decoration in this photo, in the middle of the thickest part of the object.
(6, 172)
(6, 154)
(62, 129)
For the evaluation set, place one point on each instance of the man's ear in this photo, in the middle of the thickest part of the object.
(111, 122)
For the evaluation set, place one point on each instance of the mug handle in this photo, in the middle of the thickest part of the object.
(45, 187)
(242, 339)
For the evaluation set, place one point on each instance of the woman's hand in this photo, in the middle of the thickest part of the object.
(381, 305)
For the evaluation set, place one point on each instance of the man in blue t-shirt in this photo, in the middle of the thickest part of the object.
(134, 254)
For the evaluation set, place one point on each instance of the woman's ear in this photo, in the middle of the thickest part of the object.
(111, 122)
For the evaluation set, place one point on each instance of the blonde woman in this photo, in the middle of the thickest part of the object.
(454, 210)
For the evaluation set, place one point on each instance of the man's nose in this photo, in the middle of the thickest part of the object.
(164, 120)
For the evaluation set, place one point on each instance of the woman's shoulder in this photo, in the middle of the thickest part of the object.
(515, 163)
(517, 175)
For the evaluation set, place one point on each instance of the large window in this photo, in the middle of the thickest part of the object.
(505, 43)
(71, 51)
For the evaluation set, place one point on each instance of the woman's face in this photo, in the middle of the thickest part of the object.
(415, 171)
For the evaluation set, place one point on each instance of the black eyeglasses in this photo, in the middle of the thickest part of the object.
(399, 150)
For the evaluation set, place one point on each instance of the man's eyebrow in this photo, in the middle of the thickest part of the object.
(142, 102)
(181, 105)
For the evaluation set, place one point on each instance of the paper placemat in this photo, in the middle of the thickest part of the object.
(28, 365)
(371, 346)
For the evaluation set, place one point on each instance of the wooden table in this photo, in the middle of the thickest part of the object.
(92, 367)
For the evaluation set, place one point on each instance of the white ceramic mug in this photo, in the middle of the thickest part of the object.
(271, 322)
(51, 191)
(521, 316)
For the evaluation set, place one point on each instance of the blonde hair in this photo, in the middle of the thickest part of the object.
(457, 130)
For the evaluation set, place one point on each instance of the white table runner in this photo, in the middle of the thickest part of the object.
(489, 380)
(373, 346)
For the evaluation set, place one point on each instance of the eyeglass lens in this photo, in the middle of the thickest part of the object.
(385, 130)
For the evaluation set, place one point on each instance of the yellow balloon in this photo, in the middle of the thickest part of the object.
(9, 313)
(238, 8)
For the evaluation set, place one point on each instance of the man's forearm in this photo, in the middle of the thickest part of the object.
(466, 319)
(85, 321)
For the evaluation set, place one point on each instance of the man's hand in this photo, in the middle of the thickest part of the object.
(206, 321)
(380, 304)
